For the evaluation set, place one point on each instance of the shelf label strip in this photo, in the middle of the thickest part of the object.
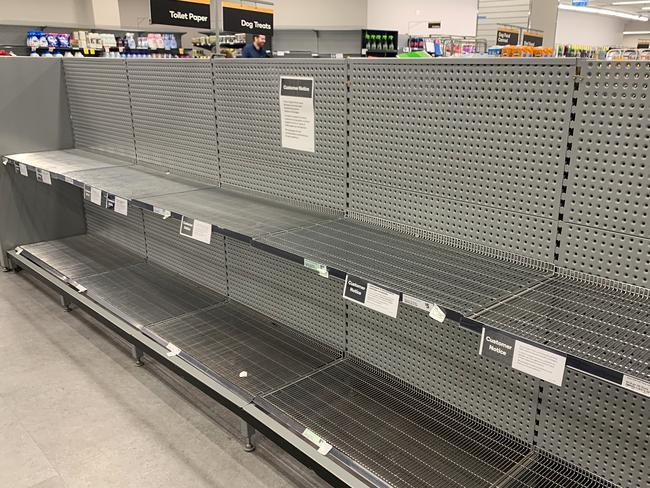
(636, 385)
(522, 356)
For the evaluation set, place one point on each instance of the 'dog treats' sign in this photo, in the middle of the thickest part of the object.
(247, 18)
(187, 13)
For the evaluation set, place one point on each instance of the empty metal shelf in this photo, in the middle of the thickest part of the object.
(79, 256)
(603, 326)
(144, 294)
(243, 213)
(404, 438)
(459, 280)
(67, 161)
(134, 182)
(244, 347)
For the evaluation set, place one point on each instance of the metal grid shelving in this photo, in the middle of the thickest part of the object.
(244, 347)
(456, 279)
(609, 327)
(67, 161)
(409, 439)
(83, 255)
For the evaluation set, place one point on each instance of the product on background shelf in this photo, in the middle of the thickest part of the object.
(581, 51)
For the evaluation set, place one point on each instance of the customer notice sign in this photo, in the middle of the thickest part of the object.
(297, 113)
(186, 13)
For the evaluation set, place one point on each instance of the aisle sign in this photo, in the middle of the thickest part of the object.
(247, 18)
(533, 38)
(297, 113)
(186, 13)
(507, 35)
(535, 361)
(372, 296)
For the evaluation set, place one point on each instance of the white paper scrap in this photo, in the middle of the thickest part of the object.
(173, 350)
(243, 374)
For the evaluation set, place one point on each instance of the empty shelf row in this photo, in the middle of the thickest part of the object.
(604, 332)
(385, 431)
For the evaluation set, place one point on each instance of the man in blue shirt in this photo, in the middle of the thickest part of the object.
(256, 48)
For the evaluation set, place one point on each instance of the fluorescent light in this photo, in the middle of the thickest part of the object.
(635, 33)
(602, 11)
(639, 2)
(645, 8)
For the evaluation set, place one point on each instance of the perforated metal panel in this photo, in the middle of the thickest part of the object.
(174, 116)
(248, 120)
(200, 262)
(598, 426)
(469, 148)
(287, 292)
(442, 360)
(126, 231)
(608, 189)
(98, 94)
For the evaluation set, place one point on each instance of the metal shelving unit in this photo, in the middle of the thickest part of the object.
(500, 234)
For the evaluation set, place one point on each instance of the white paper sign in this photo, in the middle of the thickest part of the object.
(96, 196)
(297, 113)
(372, 296)
(121, 206)
(161, 211)
(637, 385)
(46, 177)
(437, 313)
(23, 169)
(197, 230)
(539, 362)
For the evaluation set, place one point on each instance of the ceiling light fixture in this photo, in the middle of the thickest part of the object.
(638, 2)
(635, 33)
(602, 11)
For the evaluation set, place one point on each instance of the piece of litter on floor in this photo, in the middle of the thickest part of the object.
(243, 374)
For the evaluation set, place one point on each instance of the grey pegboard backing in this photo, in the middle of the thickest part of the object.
(442, 360)
(174, 116)
(608, 188)
(248, 121)
(98, 93)
(287, 292)
(598, 426)
(476, 142)
(126, 231)
(200, 262)
(611, 255)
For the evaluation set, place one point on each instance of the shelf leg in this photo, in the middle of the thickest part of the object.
(248, 433)
(137, 354)
(65, 303)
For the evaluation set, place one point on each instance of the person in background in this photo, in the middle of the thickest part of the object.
(256, 48)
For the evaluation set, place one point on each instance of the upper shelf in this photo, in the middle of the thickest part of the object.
(602, 332)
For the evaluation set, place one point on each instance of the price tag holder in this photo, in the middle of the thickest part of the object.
(197, 230)
(43, 176)
(320, 268)
(117, 204)
(635, 384)
(522, 356)
(323, 447)
(371, 296)
(173, 350)
(22, 168)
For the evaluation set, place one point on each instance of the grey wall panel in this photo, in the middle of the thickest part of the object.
(248, 121)
(442, 359)
(480, 141)
(34, 112)
(287, 292)
(174, 116)
(197, 261)
(100, 108)
(598, 426)
(608, 188)
(126, 231)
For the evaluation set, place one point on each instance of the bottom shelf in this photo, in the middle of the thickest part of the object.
(408, 439)
(244, 347)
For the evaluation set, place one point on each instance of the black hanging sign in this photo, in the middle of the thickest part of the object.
(186, 13)
(245, 18)
(507, 35)
(533, 39)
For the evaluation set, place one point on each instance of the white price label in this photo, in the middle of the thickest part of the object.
(321, 268)
(161, 211)
(323, 447)
(417, 303)
(96, 196)
(173, 350)
(23, 169)
(69, 180)
(121, 206)
(437, 313)
(5, 161)
(44, 176)
(637, 385)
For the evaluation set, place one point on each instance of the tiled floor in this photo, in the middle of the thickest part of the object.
(76, 412)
